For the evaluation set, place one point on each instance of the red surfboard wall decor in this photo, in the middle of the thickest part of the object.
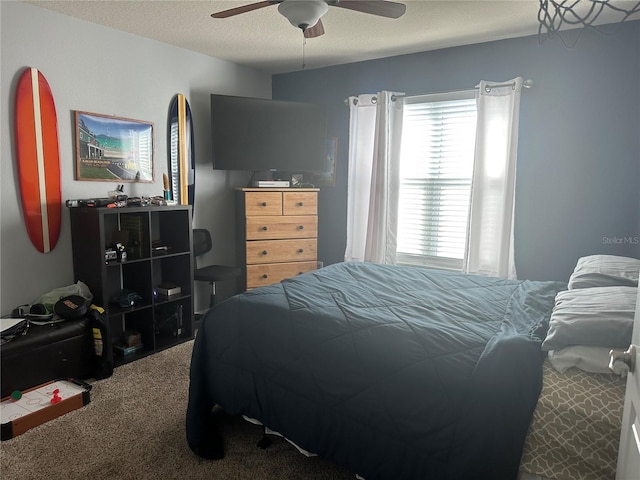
(38, 159)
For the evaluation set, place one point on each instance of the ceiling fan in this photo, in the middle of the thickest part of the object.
(305, 14)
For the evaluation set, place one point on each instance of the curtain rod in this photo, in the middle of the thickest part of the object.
(528, 83)
(374, 99)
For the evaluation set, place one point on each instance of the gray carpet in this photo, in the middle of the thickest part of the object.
(134, 429)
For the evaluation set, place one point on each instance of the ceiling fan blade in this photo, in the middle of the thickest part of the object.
(374, 7)
(315, 31)
(246, 8)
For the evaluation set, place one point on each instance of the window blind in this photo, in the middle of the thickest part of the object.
(436, 166)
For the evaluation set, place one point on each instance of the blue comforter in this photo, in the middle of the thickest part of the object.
(393, 372)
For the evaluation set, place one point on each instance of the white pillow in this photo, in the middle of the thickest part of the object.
(604, 271)
(585, 358)
(597, 316)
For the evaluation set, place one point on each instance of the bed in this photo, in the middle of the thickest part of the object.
(393, 372)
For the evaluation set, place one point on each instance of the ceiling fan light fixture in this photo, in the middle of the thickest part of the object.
(303, 13)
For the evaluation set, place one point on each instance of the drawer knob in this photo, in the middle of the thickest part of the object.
(300, 250)
(264, 252)
(263, 204)
(264, 275)
(301, 204)
(265, 228)
(300, 227)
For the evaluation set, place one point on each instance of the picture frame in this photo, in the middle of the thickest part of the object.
(328, 177)
(113, 149)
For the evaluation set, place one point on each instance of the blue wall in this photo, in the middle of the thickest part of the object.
(578, 177)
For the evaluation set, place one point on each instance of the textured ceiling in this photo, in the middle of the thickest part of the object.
(265, 40)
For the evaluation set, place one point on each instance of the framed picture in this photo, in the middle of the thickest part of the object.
(328, 177)
(113, 149)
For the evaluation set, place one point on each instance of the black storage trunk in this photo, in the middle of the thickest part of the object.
(45, 353)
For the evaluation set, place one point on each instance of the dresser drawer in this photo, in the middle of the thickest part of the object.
(260, 275)
(278, 251)
(299, 203)
(263, 203)
(268, 227)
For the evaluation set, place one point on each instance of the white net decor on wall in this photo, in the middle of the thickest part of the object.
(557, 15)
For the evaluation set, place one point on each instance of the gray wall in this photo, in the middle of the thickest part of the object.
(578, 177)
(100, 70)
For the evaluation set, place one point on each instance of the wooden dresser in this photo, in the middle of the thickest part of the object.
(277, 233)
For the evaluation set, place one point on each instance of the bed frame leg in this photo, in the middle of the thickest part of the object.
(264, 441)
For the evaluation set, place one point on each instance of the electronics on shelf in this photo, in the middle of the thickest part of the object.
(272, 183)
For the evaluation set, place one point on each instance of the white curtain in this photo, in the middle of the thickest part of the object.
(490, 249)
(375, 128)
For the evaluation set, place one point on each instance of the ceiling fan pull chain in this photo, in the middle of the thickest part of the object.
(304, 44)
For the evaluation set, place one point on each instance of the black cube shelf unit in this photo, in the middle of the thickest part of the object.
(158, 251)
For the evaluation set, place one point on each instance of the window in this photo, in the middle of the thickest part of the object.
(436, 166)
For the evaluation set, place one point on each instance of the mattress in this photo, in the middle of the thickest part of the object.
(575, 428)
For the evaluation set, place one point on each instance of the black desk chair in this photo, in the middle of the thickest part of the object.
(212, 273)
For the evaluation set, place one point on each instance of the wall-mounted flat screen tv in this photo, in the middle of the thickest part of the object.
(255, 134)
